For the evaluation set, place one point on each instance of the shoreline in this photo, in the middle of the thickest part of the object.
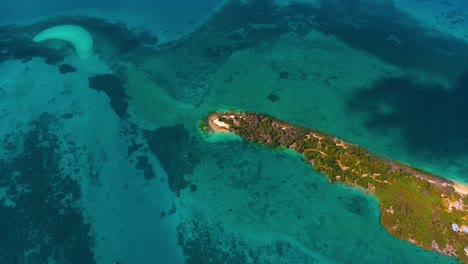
(216, 126)
(460, 187)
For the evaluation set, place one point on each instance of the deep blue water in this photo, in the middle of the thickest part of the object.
(101, 159)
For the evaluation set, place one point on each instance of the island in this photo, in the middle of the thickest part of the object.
(417, 206)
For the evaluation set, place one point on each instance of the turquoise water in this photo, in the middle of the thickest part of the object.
(102, 159)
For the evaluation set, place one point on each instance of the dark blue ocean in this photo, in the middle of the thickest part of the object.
(101, 155)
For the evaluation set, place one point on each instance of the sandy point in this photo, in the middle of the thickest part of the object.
(461, 188)
(216, 125)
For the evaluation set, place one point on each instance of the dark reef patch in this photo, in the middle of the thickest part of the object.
(38, 213)
(380, 28)
(293, 73)
(144, 165)
(66, 68)
(357, 205)
(113, 86)
(203, 247)
(137, 150)
(432, 119)
(170, 145)
(202, 243)
(273, 98)
(193, 188)
(185, 69)
(284, 75)
(134, 146)
(145, 37)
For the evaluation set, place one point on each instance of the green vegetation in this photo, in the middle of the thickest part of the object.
(415, 205)
(203, 126)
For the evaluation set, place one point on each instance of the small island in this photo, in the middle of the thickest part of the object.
(416, 206)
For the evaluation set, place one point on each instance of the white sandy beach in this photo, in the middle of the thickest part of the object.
(461, 188)
(216, 125)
